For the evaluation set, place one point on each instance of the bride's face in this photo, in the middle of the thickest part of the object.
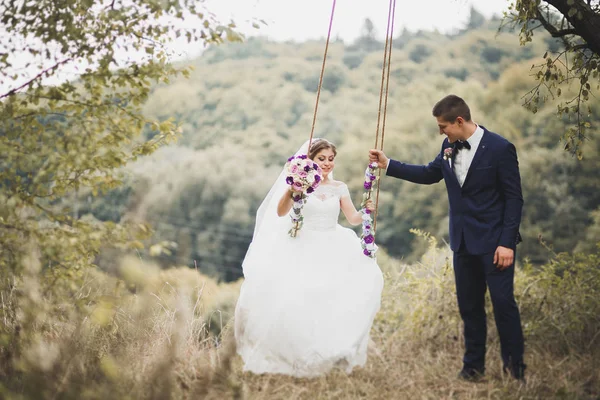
(326, 160)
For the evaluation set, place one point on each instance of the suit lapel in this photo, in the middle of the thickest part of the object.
(449, 164)
(481, 149)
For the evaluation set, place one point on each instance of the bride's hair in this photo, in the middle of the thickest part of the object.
(318, 145)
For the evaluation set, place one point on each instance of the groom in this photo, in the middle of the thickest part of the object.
(481, 173)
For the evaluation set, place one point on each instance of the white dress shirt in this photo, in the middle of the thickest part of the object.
(464, 157)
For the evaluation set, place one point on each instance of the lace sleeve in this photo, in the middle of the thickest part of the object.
(343, 191)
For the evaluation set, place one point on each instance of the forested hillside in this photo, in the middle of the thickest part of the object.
(93, 309)
(248, 106)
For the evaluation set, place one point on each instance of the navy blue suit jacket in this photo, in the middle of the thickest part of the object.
(486, 211)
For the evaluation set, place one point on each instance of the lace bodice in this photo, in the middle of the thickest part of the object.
(322, 208)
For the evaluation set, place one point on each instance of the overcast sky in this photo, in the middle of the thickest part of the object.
(308, 19)
(300, 20)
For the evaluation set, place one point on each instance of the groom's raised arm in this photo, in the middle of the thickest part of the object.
(423, 174)
(510, 185)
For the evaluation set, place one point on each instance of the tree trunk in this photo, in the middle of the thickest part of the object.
(588, 27)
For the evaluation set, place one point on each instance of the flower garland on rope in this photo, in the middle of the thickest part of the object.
(304, 176)
(367, 237)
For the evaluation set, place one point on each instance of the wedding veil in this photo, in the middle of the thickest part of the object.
(268, 223)
(267, 220)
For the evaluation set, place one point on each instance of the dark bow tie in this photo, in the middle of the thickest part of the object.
(460, 145)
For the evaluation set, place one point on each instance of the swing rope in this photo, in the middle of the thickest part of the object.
(312, 130)
(385, 78)
(385, 81)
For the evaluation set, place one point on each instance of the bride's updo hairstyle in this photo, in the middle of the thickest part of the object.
(318, 145)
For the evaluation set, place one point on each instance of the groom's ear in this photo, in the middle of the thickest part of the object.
(460, 121)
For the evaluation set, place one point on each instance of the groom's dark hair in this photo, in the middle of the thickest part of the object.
(452, 107)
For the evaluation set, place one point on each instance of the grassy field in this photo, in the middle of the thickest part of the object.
(166, 334)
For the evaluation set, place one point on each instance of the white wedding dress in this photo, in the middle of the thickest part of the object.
(307, 303)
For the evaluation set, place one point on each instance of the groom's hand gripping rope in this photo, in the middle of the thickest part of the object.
(379, 157)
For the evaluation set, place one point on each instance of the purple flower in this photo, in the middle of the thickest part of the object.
(372, 177)
(367, 226)
(367, 211)
(317, 178)
(291, 158)
(302, 157)
(369, 239)
(289, 180)
(366, 252)
(310, 189)
(368, 185)
(306, 168)
(315, 166)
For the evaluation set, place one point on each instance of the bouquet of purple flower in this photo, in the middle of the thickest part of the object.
(304, 176)
(367, 238)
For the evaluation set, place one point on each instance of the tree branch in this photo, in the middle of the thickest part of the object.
(564, 32)
(585, 20)
(36, 113)
(580, 47)
(552, 29)
(38, 76)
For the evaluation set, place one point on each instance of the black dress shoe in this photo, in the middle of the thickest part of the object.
(516, 370)
(471, 374)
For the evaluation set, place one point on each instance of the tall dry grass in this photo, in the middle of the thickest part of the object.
(147, 334)
(417, 346)
(166, 334)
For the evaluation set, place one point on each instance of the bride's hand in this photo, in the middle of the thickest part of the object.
(369, 205)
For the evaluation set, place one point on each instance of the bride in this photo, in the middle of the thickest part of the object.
(307, 302)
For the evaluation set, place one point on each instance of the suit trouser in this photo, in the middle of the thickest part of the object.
(472, 274)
